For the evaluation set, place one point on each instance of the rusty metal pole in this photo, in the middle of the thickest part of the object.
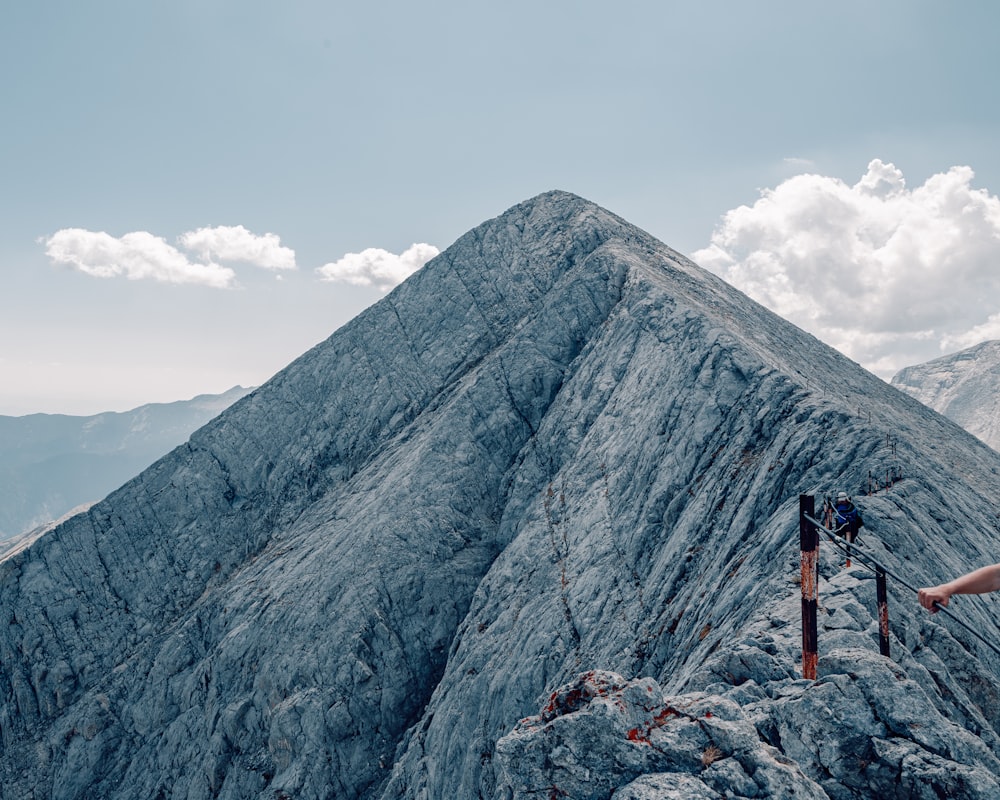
(809, 546)
(882, 601)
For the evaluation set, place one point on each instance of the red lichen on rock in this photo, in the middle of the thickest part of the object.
(572, 697)
(636, 735)
(661, 719)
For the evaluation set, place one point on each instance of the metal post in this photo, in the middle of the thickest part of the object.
(809, 546)
(882, 601)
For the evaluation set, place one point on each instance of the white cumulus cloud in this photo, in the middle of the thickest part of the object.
(138, 255)
(377, 267)
(141, 255)
(890, 276)
(236, 243)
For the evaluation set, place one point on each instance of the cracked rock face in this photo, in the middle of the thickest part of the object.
(602, 734)
(558, 450)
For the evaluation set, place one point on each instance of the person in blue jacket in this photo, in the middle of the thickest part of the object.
(846, 517)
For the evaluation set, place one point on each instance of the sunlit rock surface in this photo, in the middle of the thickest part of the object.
(558, 450)
(964, 386)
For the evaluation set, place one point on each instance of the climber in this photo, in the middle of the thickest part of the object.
(846, 513)
(979, 581)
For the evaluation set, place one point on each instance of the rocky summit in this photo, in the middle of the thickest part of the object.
(526, 528)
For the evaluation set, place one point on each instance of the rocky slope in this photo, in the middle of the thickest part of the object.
(525, 528)
(51, 463)
(962, 386)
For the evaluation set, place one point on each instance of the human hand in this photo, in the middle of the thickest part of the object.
(931, 595)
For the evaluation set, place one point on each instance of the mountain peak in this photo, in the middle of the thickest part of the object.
(559, 447)
(962, 387)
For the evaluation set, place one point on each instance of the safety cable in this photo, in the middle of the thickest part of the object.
(850, 548)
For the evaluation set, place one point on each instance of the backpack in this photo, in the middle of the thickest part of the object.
(848, 514)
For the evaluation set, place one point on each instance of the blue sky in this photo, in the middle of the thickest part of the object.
(175, 174)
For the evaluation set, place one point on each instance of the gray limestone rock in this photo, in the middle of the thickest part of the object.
(558, 449)
(600, 734)
(962, 386)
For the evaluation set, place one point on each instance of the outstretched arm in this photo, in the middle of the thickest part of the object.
(980, 581)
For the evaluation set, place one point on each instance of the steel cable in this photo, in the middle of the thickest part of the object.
(866, 560)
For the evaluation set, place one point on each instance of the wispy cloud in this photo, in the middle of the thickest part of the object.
(143, 256)
(376, 267)
(889, 275)
(798, 163)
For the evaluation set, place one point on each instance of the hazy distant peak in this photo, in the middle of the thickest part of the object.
(963, 386)
(50, 463)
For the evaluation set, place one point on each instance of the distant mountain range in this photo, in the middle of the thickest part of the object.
(964, 386)
(52, 463)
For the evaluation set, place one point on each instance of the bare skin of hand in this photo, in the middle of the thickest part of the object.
(933, 594)
(980, 581)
